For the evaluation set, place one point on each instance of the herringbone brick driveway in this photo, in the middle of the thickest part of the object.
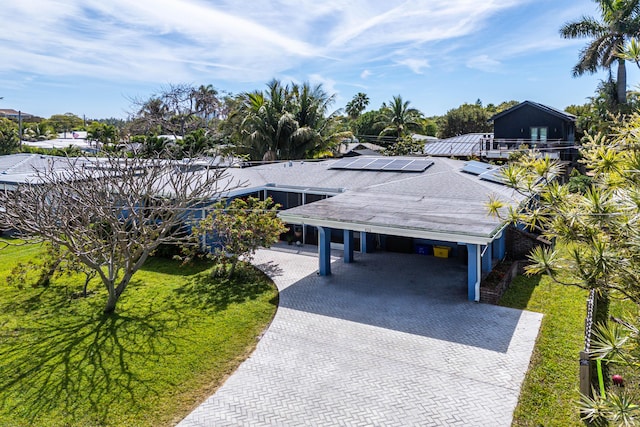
(387, 341)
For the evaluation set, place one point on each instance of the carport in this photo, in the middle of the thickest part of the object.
(450, 221)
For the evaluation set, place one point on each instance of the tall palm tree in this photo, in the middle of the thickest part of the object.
(288, 122)
(357, 105)
(399, 119)
(620, 21)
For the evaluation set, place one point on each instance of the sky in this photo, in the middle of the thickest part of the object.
(92, 57)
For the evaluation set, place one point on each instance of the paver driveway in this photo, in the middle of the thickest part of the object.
(389, 340)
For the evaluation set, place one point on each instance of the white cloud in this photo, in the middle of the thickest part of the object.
(415, 65)
(484, 63)
(195, 40)
(328, 84)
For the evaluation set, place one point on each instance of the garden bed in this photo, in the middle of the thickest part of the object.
(498, 280)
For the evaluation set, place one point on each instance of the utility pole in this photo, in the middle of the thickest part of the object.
(20, 127)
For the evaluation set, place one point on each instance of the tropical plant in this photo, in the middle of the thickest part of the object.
(176, 110)
(595, 226)
(102, 133)
(467, 118)
(289, 122)
(9, 140)
(240, 227)
(620, 20)
(616, 342)
(63, 123)
(357, 105)
(399, 119)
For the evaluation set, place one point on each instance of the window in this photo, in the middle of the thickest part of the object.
(539, 134)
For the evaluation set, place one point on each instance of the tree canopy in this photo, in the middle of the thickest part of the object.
(467, 118)
(619, 21)
(9, 140)
(112, 213)
(289, 122)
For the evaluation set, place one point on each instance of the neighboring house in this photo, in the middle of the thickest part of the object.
(16, 169)
(13, 114)
(536, 125)
(360, 149)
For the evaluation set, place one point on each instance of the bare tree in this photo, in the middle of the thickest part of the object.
(112, 213)
(177, 109)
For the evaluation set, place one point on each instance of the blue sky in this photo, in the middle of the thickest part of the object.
(90, 57)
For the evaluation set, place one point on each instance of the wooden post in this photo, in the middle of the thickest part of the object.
(585, 374)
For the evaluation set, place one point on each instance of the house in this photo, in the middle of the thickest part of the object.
(367, 203)
(536, 125)
(13, 114)
(402, 204)
(360, 149)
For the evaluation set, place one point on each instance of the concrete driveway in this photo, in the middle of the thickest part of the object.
(389, 340)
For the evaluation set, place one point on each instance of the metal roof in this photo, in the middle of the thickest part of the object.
(458, 146)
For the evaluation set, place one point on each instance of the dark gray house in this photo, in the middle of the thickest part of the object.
(536, 125)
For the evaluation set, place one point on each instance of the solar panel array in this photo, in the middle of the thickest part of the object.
(484, 171)
(382, 164)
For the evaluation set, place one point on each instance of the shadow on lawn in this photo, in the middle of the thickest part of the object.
(519, 292)
(82, 366)
(162, 265)
(217, 293)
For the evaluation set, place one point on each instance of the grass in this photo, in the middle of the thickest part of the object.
(176, 335)
(551, 387)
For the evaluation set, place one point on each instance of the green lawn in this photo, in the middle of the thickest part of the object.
(550, 389)
(175, 337)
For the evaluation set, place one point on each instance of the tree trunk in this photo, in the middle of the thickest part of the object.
(111, 303)
(232, 270)
(622, 82)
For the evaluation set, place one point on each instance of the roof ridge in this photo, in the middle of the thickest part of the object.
(20, 163)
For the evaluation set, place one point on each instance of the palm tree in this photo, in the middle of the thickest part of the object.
(620, 21)
(206, 101)
(399, 119)
(288, 122)
(357, 105)
(267, 123)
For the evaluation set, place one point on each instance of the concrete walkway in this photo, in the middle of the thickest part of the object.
(389, 340)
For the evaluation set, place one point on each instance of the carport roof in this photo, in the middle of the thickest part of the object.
(441, 203)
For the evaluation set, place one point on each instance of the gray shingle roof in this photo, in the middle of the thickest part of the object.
(441, 200)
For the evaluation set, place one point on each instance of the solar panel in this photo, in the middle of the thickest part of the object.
(417, 165)
(377, 164)
(396, 164)
(476, 168)
(493, 175)
(343, 163)
(383, 164)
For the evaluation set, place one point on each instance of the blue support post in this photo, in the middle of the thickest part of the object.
(487, 261)
(348, 246)
(473, 255)
(324, 249)
(500, 246)
(363, 242)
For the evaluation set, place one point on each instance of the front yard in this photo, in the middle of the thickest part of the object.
(550, 390)
(176, 334)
